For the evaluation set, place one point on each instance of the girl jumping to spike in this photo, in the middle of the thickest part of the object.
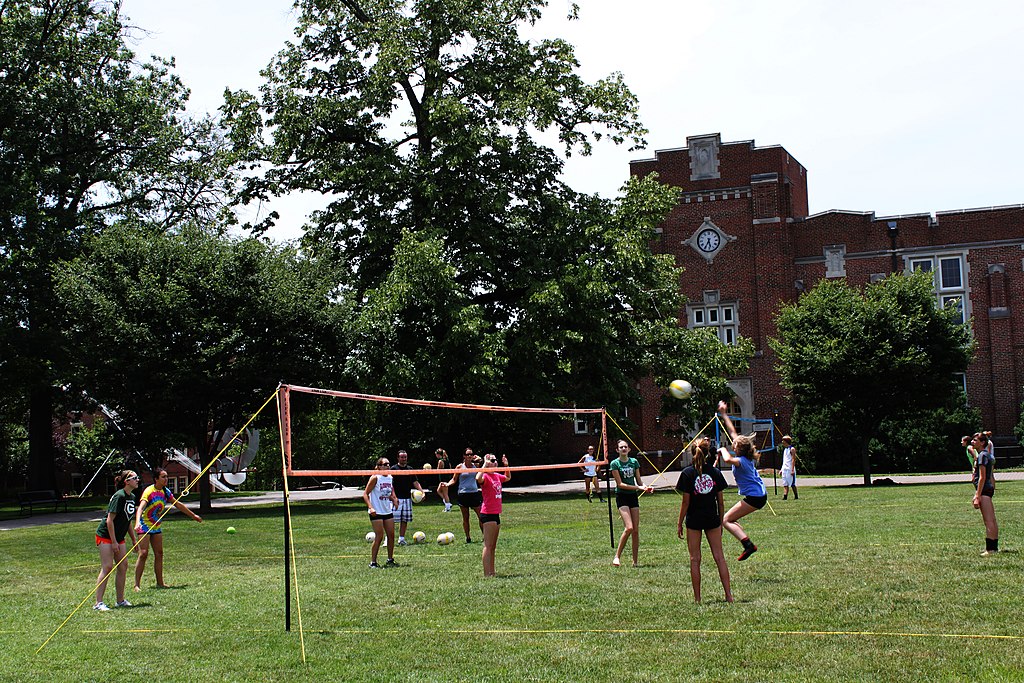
(744, 469)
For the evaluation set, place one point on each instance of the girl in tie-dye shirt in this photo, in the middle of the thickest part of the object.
(148, 513)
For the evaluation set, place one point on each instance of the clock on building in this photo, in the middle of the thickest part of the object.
(708, 240)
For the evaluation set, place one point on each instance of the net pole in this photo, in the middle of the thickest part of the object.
(287, 572)
(607, 476)
(284, 429)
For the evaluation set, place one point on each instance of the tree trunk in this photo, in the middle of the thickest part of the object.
(42, 474)
(866, 460)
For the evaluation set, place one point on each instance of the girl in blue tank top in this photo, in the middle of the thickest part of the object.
(744, 469)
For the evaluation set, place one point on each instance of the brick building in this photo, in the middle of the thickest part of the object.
(742, 232)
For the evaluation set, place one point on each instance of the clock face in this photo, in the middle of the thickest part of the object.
(708, 240)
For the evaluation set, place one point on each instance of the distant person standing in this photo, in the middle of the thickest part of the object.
(983, 478)
(470, 497)
(590, 474)
(110, 538)
(442, 486)
(404, 484)
(379, 496)
(788, 468)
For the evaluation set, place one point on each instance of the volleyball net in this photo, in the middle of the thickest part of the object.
(296, 465)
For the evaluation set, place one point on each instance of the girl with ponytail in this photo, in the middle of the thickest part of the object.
(701, 513)
(110, 538)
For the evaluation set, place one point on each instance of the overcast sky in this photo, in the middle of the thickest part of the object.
(893, 106)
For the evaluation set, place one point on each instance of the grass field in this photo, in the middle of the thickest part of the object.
(850, 584)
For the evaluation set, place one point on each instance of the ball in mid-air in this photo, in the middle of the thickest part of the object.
(370, 537)
(231, 529)
(442, 539)
(427, 466)
(417, 496)
(680, 388)
(419, 537)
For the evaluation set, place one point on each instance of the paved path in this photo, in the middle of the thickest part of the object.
(573, 486)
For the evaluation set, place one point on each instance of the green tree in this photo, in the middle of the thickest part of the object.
(478, 274)
(856, 359)
(187, 333)
(87, 135)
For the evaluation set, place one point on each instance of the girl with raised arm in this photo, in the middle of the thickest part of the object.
(490, 483)
(744, 469)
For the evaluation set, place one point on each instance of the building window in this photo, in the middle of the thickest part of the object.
(961, 378)
(722, 318)
(949, 278)
(581, 425)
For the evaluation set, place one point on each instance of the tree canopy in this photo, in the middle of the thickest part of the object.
(88, 135)
(477, 273)
(184, 333)
(854, 359)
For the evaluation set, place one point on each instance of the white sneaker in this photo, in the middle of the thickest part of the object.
(447, 507)
(123, 603)
(100, 607)
(401, 541)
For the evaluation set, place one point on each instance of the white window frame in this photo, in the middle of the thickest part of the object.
(581, 424)
(945, 295)
(723, 318)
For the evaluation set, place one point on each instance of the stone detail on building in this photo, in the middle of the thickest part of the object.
(704, 157)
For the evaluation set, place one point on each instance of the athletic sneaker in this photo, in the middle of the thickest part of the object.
(447, 507)
(123, 603)
(391, 563)
(468, 539)
(616, 562)
(987, 553)
(747, 552)
(100, 607)
(374, 565)
(401, 541)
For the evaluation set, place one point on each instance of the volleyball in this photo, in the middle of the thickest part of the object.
(419, 537)
(231, 529)
(418, 496)
(427, 466)
(680, 388)
(370, 536)
(443, 539)
(450, 536)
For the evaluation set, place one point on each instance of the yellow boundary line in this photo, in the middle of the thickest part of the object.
(559, 631)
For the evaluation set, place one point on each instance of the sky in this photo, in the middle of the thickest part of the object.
(892, 106)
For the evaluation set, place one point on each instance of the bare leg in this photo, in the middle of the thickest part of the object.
(465, 520)
(378, 536)
(157, 541)
(140, 564)
(389, 530)
(693, 545)
(715, 543)
(736, 512)
(491, 531)
(107, 560)
(627, 532)
(988, 514)
(122, 572)
(635, 513)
